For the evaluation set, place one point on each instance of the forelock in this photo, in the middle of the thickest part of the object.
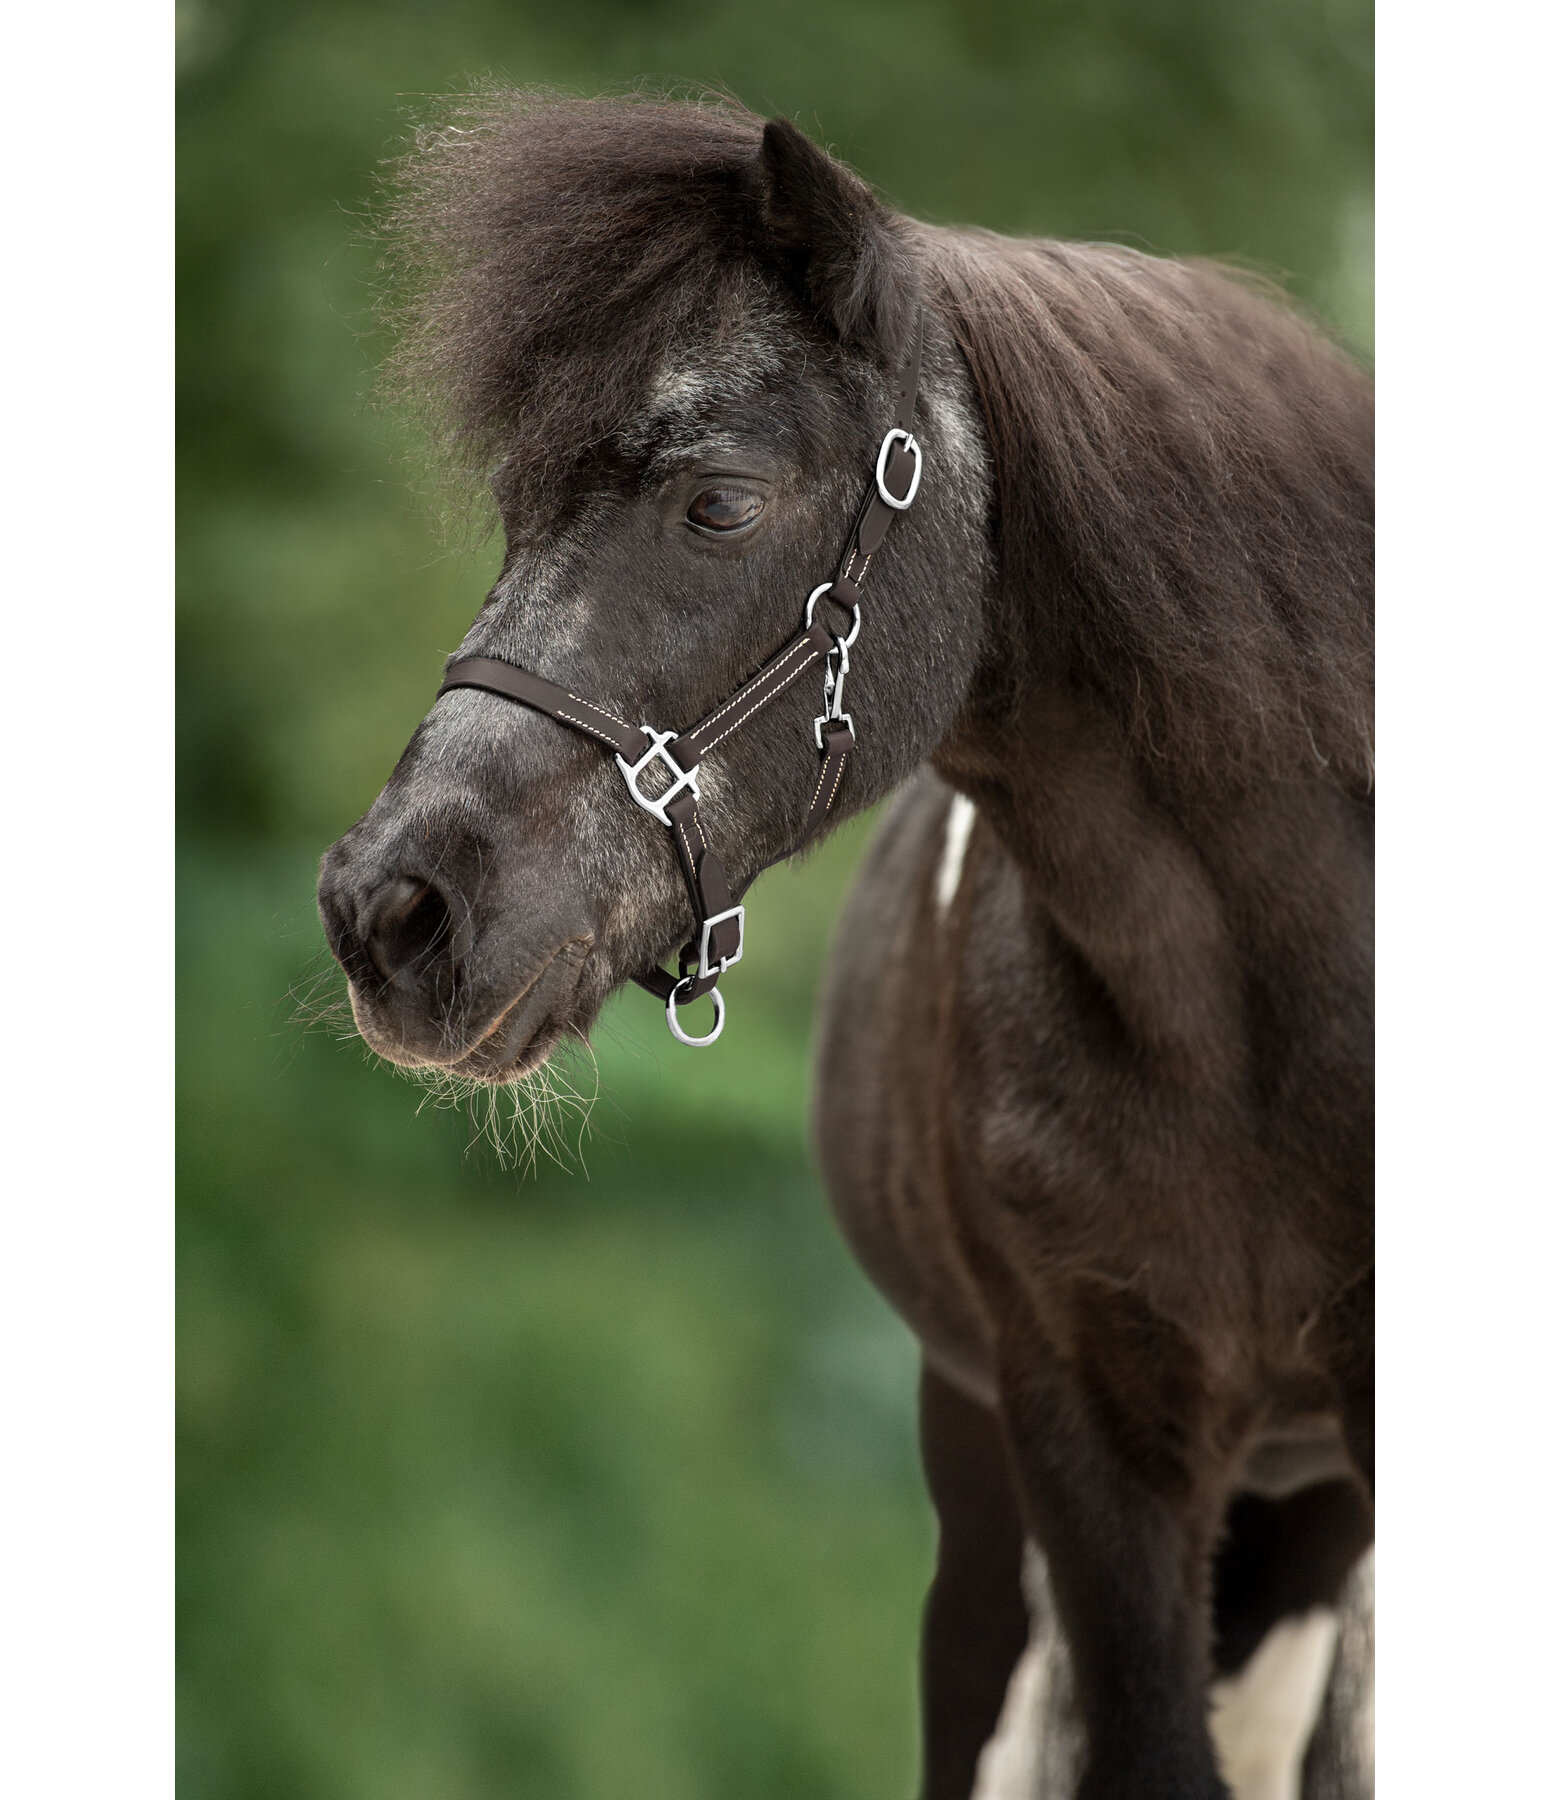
(551, 262)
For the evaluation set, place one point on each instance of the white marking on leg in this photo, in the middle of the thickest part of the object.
(1262, 1718)
(955, 845)
(1038, 1742)
(1339, 1758)
(1009, 1763)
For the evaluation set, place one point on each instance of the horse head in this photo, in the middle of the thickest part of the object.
(669, 333)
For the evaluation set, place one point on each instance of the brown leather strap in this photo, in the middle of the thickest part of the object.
(709, 898)
(513, 683)
(838, 742)
(707, 882)
(817, 640)
(877, 516)
(774, 677)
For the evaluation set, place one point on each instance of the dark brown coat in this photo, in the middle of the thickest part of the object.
(1095, 1105)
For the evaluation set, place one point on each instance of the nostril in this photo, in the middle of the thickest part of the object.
(412, 927)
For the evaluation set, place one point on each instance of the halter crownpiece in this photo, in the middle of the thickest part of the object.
(716, 942)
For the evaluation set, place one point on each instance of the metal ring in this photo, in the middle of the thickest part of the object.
(678, 1031)
(855, 614)
(908, 440)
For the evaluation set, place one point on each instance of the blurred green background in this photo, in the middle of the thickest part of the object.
(570, 1480)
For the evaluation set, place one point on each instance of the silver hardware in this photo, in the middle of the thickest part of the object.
(834, 691)
(855, 613)
(834, 679)
(720, 968)
(681, 778)
(832, 719)
(678, 1031)
(906, 438)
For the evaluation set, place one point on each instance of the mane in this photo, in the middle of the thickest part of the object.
(1184, 497)
(1183, 465)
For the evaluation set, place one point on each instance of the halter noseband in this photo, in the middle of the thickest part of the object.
(717, 941)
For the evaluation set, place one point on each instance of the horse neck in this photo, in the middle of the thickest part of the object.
(1170, 732)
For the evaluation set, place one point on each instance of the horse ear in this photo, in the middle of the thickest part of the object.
(824, 229)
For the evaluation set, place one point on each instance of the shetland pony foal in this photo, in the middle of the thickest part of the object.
(1094, 1089)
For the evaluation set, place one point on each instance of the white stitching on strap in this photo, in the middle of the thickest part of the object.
(834, 791)
(583, 724)
(705, 749)
(839, 771)
(763, 676)
(819, 789)
(593, 705)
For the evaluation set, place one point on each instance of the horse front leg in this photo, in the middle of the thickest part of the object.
(976, 1621)
(1112, 1447)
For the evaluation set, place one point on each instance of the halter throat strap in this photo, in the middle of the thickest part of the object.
(716, 942)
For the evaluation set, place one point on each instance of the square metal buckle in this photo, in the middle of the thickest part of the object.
(681, 778)
(733, 912)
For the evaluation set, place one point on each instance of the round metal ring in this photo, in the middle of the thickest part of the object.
(855, 614)
(695, 1043)
(908, 440)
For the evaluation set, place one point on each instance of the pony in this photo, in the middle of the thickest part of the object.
(1094, 1087)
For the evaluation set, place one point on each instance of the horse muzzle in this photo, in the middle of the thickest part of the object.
(452, 962)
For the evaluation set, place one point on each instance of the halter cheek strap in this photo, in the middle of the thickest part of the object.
(716, 942)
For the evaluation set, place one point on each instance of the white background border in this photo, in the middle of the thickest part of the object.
(86, 1188)
(1463, 902)
(1464, 911)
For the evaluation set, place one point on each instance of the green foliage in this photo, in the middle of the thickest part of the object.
(570, 1483)
(592, 1483)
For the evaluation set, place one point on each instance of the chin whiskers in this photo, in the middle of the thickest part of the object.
(319, 998)
(544, 1116)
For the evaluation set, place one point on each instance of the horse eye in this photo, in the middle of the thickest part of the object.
(724, 509)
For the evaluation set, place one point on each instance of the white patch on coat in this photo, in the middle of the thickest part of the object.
(681, 391)
(1009, 1763)
(1262, 1718)
(958, 439)
(1038, 1741)
(955, 846)
(1339, 1758)
(1310, 1678)
(752, 344)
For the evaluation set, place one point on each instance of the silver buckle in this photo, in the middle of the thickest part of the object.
(720, 968)
(681, 778)
(907, 438)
